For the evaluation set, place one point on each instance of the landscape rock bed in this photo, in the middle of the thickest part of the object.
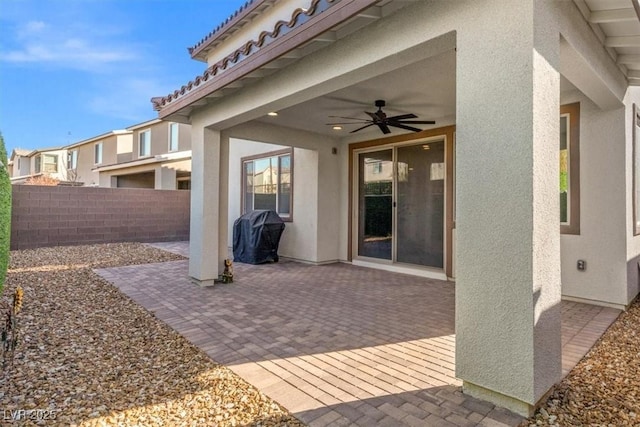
(604, 388)
(90, 356)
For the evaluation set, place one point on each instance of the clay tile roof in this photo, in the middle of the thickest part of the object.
(228, 23)
(298, 17)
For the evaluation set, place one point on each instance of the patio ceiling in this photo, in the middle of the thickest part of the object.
(617, 25)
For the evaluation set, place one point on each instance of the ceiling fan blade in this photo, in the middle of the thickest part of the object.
(401, 126)
(418, 122)
(363, 127)
(348, 123)
(384, 128)
(403, 116)
(348, 118)
(374, 116)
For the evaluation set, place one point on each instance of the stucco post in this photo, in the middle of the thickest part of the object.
(208, 234)
(508, 347)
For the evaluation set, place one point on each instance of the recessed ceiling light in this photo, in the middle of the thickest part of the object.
(337, 128)
(272, 114)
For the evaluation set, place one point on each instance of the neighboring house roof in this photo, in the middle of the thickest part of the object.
(19, 152)
(144, 124)
(286, 36)
(179, 155)
(98, 138)
(245, 14)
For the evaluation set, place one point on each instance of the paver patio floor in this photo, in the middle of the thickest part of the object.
(336, 344)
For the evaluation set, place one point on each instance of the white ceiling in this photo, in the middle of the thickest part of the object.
(426, 88)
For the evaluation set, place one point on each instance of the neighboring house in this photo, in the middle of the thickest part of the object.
(21, 164)
(51, 162)
(153, 154)
(86, 156)
(477, 196)
(158, 155)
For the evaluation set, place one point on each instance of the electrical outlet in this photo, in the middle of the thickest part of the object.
(582, 265)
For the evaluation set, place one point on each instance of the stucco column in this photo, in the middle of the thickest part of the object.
(209, 189)
(508, 347)
(165, 178)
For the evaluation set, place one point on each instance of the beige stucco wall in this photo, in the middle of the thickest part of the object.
(299, 238)
(160, 139)
(603, 222)
(633, 242)
(313, 236)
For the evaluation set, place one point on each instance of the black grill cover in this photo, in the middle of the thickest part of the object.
(256, 236)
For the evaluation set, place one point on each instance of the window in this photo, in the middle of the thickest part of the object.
(18, 163)
(267, 183)
(72, 159)
(173, 136)
(636, 170)
(38, 164)
(570, 169)
(97, 155)
(144, 143)
(50, 163)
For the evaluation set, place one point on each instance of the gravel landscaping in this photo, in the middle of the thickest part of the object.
(90, 356)
(604, 388)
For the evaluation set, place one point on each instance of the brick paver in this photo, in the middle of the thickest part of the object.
(335, 344)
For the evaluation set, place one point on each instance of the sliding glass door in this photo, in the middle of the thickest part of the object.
(375, 205)
(401, 199)
(420, 204)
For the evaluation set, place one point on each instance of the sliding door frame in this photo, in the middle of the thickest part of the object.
(447, 134)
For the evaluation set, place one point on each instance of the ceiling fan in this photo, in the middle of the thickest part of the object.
(380, 119)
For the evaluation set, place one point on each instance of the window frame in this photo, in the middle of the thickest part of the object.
(635, 168)
(572, 226)
(98, 147)
(146, 131)
(43, 164)
(72, 160)
(177, 148)
(278, 153)
(37, 167)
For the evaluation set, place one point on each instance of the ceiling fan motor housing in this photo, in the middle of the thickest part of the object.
(380, 103)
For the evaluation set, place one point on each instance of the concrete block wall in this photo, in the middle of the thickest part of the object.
(57, 216)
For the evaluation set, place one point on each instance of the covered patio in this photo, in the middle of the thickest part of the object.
(337, 344)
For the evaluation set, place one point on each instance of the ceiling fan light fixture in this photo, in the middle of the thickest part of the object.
(272, 114)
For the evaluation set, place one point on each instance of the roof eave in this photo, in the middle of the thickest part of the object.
(198, 51)
(313, 28)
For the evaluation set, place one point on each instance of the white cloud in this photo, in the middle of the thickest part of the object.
(72, 47)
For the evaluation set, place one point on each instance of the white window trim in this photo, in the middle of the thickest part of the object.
(140, 155)
(97, 161)
(177, 138)
(287, 217)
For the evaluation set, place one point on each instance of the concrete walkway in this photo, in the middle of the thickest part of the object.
(336, 344)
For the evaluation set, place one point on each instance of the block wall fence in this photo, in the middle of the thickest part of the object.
(57, 216)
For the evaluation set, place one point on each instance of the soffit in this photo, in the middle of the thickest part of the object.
(617, 25)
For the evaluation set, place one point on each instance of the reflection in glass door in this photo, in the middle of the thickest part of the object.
(401, 199)
(375, 203)
(420, 204)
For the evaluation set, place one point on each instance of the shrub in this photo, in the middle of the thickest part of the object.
(5, 213)
(42, 180)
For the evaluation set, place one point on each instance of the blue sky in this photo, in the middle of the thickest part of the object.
(73, 69)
